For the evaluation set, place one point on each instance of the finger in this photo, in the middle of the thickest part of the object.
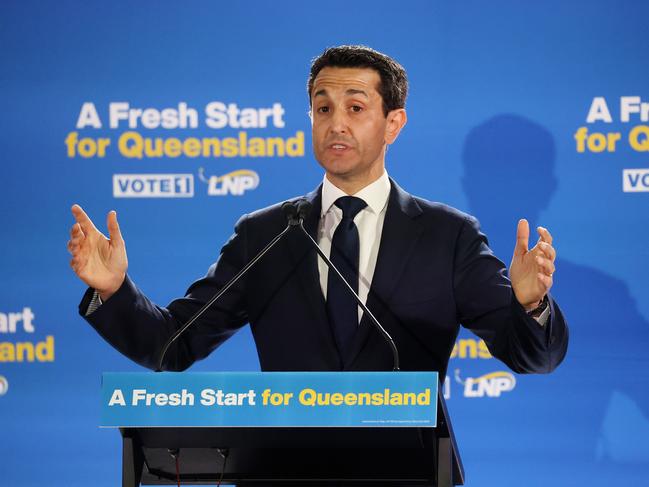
(522, 237)
(113, 228)
(545, 281)
(74, 248)
(74, 263)
(76, 234)
(548, 250)
(76, 240)
(545, 265)
(82, 219)
(76, 231)
(544, 234)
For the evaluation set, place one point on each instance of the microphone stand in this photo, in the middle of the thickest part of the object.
(295, 214)
(290, 212)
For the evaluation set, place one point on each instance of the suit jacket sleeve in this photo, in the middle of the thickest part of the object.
(138, 328)
(480, 280)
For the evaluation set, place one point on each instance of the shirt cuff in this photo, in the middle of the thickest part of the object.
(94, 304)
(542, 319)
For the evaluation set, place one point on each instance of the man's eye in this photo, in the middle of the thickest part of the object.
(323, 109)
(356, 108)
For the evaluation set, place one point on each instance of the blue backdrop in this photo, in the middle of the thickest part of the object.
(516, 109)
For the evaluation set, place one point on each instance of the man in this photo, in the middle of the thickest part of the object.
(422, 268)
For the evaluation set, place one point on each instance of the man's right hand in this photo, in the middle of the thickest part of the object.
(99, 262)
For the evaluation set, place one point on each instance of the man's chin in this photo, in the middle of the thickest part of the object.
(338, 167)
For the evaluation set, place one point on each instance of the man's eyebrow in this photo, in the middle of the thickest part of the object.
(353, 91)
(350, 91)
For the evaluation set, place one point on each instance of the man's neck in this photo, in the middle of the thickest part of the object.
(351, 187)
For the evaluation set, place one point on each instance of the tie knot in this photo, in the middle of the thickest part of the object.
(350, 206)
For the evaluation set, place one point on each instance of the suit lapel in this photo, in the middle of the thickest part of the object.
(400, 234)
(305, 258)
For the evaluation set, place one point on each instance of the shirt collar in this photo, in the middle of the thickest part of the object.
(375, 194)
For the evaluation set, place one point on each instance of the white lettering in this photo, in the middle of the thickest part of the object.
(117, 398)
(152, 118)
(88, 116)
(210, 397)
(9, 321)
(219, 116)
(599, 111)
(153, 185)
(633, 104)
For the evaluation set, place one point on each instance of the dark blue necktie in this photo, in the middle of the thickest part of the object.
(341, 305)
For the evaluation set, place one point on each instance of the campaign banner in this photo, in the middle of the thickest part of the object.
(270, 399)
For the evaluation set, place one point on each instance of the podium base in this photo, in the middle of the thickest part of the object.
(282, 457)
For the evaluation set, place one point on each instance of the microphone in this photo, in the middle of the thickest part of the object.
(303, 209)
(291, 214)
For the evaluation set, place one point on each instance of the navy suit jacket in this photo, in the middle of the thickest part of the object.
(434, 271)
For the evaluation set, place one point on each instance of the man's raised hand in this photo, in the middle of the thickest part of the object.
(98, 261)
(531, 270)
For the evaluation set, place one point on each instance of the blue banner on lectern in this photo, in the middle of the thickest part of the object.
(280, 399)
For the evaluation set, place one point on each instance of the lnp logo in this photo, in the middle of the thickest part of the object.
(490, 385)
(4, 385)
(235, 182)
(153, 185)
(635, 180)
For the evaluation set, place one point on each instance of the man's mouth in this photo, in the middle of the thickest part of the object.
(338, 147)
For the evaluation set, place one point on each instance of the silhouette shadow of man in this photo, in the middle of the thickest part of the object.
(597, 415)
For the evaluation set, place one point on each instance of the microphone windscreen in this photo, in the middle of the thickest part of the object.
(303, 209)
(289, 210)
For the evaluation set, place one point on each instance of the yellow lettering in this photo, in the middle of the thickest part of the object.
(639, 138)
(295, 145)
(243, 144)
(133, 145)
(28, 351)
(7, 352)
(153, 147)
(257, 147)
(45, 350)
(351, 399)
(470, 345)
(172, 147)
(336, 399)
(22, 349)
(229, 145)
(307, 397)
(396, 399)
(275, 143)
(580, 138)
(130, 145)
(423, 398)
(214, 144)
(483, 351)
(596, 142)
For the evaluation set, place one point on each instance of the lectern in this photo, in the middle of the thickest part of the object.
(366, 433)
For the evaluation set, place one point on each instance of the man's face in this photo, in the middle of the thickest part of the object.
(349, 128)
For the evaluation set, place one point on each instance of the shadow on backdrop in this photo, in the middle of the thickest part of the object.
(598, 414)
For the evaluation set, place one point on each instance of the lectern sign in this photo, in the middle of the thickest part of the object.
(279, 399)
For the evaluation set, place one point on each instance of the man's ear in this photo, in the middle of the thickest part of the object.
(396, 120)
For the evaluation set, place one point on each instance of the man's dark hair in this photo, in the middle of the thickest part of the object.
(393, 87)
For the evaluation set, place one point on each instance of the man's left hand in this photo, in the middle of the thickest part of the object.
(531, 270)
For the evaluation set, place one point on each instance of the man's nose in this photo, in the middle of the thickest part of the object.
(339, 122)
